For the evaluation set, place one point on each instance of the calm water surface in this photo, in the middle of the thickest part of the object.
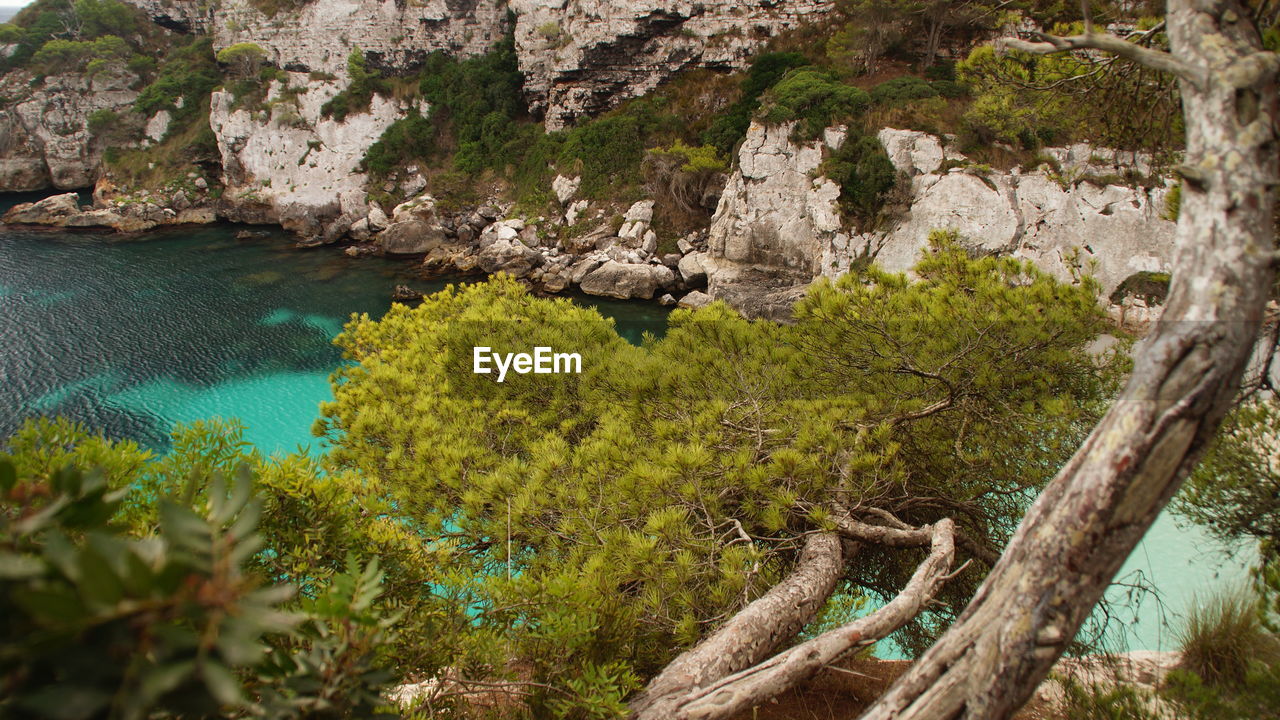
(130, 335)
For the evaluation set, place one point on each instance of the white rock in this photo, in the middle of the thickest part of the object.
(565, 188)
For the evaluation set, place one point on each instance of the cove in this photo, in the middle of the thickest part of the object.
(129, 335)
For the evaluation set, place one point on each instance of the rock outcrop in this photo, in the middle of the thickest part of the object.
(583, 56)
(65, 211)
(285, 162)
(318, 35)
(183, 16)
(45, 139)
(774, 223)
(777, 228)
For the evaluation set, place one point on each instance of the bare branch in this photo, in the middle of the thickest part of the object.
(752, 634)
(741, 691)
(1154, 59)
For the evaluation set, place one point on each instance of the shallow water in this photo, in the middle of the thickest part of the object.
(130, 335)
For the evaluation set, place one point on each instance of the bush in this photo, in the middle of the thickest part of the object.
(358, 95)
(1224, 636)
(865, 174)
(684, 183)
(728, 129)
(902, 89)
(94, 622)
(188, 74)
(1152, 287)
(815, 100)
(406, 140)
(58, 56)
(244, 59)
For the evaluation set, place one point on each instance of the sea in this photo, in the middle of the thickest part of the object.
(130, 334)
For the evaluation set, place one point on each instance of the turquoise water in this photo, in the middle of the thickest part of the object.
(130, 335)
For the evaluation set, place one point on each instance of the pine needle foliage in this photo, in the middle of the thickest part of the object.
(597, 523)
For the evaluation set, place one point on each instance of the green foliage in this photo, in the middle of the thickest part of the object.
(1235, 493)
(105, 17)
(99, 625)
(722, 423)
(865, 174)
(766, 69)
(188, 74)
(1106, 702)
(1173, 203)
(1224, 636)
(684, 183)
(407, 139)
(74, 27)
(243, 58)
(1152, 287)
(363, 85)
(815, 100)
(1256, 698)
(58, 56)
(901, 90)
(1031, 100)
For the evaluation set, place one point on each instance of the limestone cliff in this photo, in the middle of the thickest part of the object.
(44, 127)
(776, 228)
(318, 35)
(583, 56)
(285, 162)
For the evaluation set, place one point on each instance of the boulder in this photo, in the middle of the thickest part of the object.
(667, 300)
(694, 300)
(692, 269)
(565, 188)
(664, 276)
(411, 237)
(510, 256)
(622, 281)
(50, 211)
(582, 269)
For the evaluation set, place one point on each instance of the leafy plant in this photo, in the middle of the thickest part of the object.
(98, 625)
(815, 100)
(865, 174)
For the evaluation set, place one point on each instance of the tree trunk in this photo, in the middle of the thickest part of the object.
(1088, 520)
(751, 635)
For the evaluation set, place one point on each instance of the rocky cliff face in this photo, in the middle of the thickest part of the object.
(776, 228)
(318, 35)
(184, 16)
(775, 221)
(44, 134)
(287, 163)
(583, 56)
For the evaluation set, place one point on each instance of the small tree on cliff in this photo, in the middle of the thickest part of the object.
(725, 481)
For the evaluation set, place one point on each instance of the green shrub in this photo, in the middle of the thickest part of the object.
(358, 95)
(406, 140)
(865, 174)
(1224, 636)
(902, 89)
(1256, 698)
(188, 74)
(1152, 287)
(815, 100)
(58, 56)
(244, 59)
(729, 128)
(1106, 702)
(95, 624)
(683, 182)
(1173, 203)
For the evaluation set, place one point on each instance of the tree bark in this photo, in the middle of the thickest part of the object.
(752, 634)
(1087, 521)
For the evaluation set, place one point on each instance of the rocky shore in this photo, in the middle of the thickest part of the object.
(777, 226)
